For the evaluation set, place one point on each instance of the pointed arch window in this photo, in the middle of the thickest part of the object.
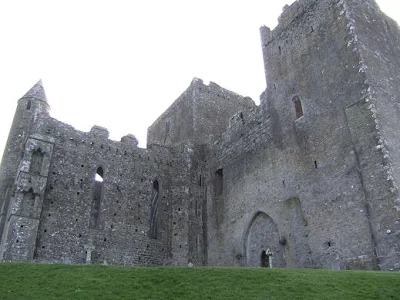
(28, 105)
(98, 191)
(153, 232)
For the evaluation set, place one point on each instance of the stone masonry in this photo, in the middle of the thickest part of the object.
(309, 178)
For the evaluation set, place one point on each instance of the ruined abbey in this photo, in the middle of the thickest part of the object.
(309, 178)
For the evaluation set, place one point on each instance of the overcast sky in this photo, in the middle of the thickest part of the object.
(120, 64)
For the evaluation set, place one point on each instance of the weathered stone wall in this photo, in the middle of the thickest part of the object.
(121, 234)
(307, 179)
(309, 157)
(199, 115)
(377, 40)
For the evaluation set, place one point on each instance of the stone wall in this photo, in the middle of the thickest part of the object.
(307, 154)
(199, 115)
(307, 179)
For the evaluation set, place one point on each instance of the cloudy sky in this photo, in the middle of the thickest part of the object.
(119, 64)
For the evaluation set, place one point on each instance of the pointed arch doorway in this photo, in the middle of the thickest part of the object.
(261, 243)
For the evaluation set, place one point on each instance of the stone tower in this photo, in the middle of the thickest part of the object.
(332, 72)
(23, 177)
(312, 175)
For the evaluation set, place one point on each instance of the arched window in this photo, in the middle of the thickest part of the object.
(298, 107)
(36, 161)
(97, 197)
(153, 232)
(28, 105)
(99, 174)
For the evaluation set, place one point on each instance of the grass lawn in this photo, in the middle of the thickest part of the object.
(56, 281)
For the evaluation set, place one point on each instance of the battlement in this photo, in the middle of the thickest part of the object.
(289, 13)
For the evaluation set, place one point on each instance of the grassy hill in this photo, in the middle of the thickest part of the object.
(55, 281)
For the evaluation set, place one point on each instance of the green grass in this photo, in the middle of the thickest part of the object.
(55, 281)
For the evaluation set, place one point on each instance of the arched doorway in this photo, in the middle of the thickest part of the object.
(261, 242)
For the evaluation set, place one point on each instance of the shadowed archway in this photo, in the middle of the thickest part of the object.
(262, 234)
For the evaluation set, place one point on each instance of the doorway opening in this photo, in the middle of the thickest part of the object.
(265, 259)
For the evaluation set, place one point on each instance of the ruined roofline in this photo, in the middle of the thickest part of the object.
(289, 13)
(293, 11)
(98, 132)
(195, 84)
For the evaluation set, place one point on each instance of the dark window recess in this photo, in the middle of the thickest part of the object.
(98, 190)
(315, 164)
(298, 107)
(36, 161)
(153, 232)
(219, 182)
(280, 50)
(28, 105)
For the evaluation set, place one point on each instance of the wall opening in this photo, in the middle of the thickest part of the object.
(219, 182)
(153, 232)
(36, 161)
(28, 105)
(29, 198)
(98, 190)
(99, 175)
(167, 128)
(265, 263)
(298, 107)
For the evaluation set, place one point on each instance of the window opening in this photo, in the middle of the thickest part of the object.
(29, 198)
(219, 182)
(28, 105)
(36, 161)
(298, 107)
(98, 190)
(99, 174)
(154, 210)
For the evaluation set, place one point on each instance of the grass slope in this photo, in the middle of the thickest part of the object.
(54, 281)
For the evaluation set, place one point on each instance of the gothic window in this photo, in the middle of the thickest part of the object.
(28, 105)
(298, 107)
(97, 196)
(154, 210)
(36, 161)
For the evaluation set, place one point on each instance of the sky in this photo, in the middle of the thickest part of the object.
(120, 64)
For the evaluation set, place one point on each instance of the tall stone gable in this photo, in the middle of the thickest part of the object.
(309, 178)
